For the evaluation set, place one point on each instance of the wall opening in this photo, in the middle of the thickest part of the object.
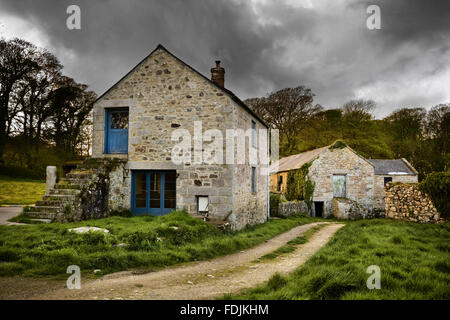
(203, 206)
(387, 180)
(318, 208)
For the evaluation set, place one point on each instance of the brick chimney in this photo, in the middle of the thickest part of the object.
(218, 74)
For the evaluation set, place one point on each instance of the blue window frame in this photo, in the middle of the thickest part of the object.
(116, 130)
(153, 192)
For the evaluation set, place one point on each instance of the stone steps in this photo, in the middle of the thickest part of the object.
(62, 194)
(67, 186)
(58, 197)
(65, 193)
(79, 175)
(49, 203)
(40, 215)
(75, 181)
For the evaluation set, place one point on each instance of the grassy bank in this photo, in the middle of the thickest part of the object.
(20, 191)
(146, 242)
(414, 261)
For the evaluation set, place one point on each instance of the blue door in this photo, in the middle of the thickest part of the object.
(116, 131)
(153, 192)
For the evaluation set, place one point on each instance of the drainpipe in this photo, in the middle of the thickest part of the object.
(268, 176)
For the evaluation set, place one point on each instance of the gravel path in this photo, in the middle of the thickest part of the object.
(9, 212)
(206, 279)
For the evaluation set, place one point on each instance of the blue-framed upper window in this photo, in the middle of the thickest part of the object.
(116, 130)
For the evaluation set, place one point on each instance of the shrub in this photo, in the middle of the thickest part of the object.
(298, 185)
(437, 186)
(121, 213)
(275, 200)
(21, 172)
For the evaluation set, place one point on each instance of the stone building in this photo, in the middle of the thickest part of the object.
(164, 108)
(340, 175)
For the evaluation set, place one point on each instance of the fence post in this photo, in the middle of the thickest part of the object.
(51, 179)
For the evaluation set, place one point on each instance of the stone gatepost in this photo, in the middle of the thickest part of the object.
(51, 179)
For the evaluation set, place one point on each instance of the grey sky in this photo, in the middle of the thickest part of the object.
(264, 45)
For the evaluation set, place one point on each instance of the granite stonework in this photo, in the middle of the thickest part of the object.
(380, 192)
(405, 201)
(289, 208)
(359, 177)
(163, 94)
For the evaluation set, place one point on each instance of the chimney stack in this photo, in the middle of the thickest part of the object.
(218, 74)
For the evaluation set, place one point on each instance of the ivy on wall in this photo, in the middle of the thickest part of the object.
(298, 185)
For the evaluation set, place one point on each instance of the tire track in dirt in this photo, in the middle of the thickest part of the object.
(205, 279)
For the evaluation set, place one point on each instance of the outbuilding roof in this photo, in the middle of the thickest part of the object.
(296, 161)
(392, 166)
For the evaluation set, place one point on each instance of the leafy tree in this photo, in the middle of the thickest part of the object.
(17, 60)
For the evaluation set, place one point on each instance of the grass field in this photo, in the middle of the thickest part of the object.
(20, 191)
(414, 261)
(146, 242)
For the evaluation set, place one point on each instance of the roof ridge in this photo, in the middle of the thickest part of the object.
(228, 92)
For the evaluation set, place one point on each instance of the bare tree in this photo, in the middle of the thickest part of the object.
(287, 110)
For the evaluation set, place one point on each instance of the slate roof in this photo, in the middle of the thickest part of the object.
(392, 167)
(228, 92)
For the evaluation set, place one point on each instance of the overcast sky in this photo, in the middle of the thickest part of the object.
(264, 45)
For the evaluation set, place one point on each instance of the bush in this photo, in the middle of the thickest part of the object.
(121, 213)
(275, 200)
(437, 186)
(20, 172)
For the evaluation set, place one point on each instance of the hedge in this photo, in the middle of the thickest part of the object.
(437, 186)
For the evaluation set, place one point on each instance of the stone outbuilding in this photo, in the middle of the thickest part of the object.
(345, 183)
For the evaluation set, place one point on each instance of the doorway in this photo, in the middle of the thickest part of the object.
(116, 131)
(318, 208)
(153, 192)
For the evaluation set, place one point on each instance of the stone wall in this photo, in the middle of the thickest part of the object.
(249, 207)
(289, 208)
(359, 177)
(379, 191)
(407, 202)
(344, 208)
(163, 94)
(102, 193)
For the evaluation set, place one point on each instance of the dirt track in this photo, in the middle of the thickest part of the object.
(206, 279)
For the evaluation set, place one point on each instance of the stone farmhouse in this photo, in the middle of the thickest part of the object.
(132, 165)
(345, 183)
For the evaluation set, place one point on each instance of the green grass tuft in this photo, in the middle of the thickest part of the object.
(145, 242)
(413, 260)
(20, 191)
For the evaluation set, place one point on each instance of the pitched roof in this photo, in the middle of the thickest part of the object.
(228, 92)
(392, 167)
(296, 161)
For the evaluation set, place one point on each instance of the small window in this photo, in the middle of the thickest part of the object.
(387, 180)
(253, 134)
(253, 179)
(280, 182)
(202, 205)
(339, 186)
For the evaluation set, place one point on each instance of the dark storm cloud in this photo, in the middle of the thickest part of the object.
(264, 45)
